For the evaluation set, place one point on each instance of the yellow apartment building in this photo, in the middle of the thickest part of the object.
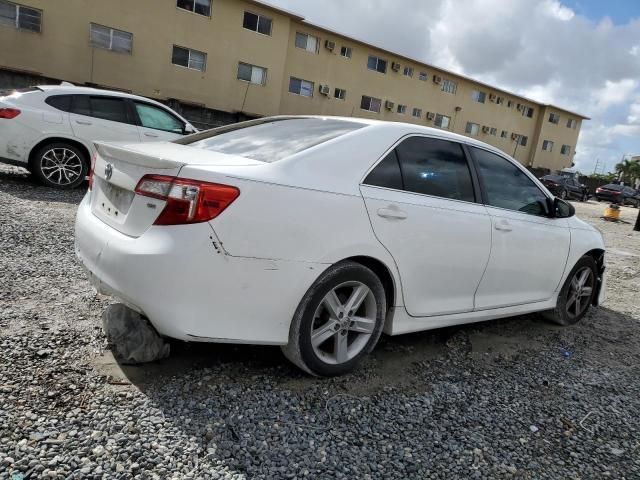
(220, 61)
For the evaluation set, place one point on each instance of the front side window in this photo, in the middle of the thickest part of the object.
(408, 72)
(371, 104)
(301, 87)
(157, 118)
(345, 51)
(554, 118)
(565, 149)
(273, 140)
(377, 64)
(472, 128)
(386, 174)
(417, 112)
(435, 167)
(442, 121)
(201, 7)
(449, 86)
(478, 96)
(547, 145)
(111, 38)
(252, 73)
(185, 57)
(105, 108)
(257, 23)
(19, 16)
(307, 42)
(507, 186)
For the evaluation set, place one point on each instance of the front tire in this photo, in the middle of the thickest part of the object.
(338, 321)
(576, 295)
(60, 165)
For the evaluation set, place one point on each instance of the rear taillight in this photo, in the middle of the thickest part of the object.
(9, 113)
(188, 201)
(93, 167)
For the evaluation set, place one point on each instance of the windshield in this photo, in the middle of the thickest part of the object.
(277, 139)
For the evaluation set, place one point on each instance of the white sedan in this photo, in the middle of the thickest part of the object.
(50, 130)
(320, 233)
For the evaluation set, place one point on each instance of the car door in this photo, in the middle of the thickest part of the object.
(576, 188)
(156, 124)
(102, 117)
(421, 200)
(529, 249)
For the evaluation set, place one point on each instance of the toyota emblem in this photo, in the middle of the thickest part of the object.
(108, 171)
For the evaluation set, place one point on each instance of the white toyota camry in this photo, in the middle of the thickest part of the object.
(320, 233)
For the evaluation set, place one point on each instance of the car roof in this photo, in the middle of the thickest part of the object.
(72, 89)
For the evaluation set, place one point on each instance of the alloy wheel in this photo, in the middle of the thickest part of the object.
(343, 322)
(61, 166)
(580, 291)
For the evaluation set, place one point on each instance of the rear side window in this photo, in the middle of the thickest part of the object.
(435, 167)
(386, 174)
(275, 140)
(506, 186)
(105, 108)
(61, 102)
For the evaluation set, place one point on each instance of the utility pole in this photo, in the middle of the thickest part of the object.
(595, 169)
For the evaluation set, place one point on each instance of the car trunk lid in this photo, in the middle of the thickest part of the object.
(118, 169)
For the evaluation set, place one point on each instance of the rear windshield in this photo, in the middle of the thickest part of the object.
(277, 139)
(613, 186)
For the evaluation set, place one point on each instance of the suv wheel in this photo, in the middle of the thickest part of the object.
(60, 165)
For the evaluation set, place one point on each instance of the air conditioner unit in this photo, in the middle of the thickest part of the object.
(431, 115)
(514, 136)
(389, 105)
(325, 89)
(395, 66)
(437, 79)
(485, 129)
(329, 45)
(492, 97)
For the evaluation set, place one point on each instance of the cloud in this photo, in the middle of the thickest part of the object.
(542, 49)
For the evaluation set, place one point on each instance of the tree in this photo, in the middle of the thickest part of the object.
(628, 171)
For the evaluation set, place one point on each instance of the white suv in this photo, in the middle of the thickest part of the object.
(50, 130)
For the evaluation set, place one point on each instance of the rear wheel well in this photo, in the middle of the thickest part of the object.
(47, 141)
(382, 272)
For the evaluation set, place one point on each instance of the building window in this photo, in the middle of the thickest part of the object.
(565, 150)
(493, 131)
(527, 111)
(110, 38)
(185, 57)
(19, 16)
(417, 112)
(478, 96)
(377, 64)
(301, 87)
(201, 7)
(345, 52)
(423, 76)
(547, 145)
(408, 72)
(402, 109)
(572, 123)
(252, 73)
(449, 86)
(307, 42)
(499, 100)
(371, 104)
(442, 121)
(523, 140)
(257, 23)
(554, 118)
(504, 134)
(509, 103)
(472, 128)
(340, 93)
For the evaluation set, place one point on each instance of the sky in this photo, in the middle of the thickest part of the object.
(582, 55)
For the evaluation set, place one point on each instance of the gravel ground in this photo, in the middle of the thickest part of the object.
(516, 398)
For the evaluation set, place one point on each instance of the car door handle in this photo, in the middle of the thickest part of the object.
(152, 135)
(83, 122)
(502, 224)
(392, 213)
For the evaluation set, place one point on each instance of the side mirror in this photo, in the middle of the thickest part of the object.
(562, 209)
(188, 130)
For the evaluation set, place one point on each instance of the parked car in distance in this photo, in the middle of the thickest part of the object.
(619, 194)
(565, 187)
(319, 233)
(50, 130)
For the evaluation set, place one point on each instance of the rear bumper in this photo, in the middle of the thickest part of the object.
(188, 288)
